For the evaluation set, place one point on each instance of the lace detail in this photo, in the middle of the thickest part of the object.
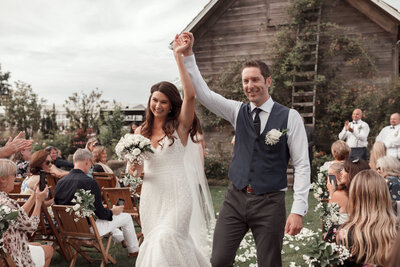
(166, 208)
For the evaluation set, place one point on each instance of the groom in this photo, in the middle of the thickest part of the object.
(256, 197)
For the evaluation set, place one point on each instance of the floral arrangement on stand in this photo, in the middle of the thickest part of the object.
(6, 217)
(133, 182)
(84, 206)
(319, 253)
(134, 148)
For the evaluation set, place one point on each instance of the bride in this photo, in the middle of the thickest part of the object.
(175, 207)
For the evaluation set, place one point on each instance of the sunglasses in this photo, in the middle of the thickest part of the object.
(378, 168)
(48, 162)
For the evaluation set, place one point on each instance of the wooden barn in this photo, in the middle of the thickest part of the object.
(227, 29)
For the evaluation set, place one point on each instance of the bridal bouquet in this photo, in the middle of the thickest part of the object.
(133, 148)
(84, 206)
(6, 217)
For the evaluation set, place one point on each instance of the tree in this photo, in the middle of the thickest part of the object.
(23, 109)
(4, 86)
(83, 109)
(49, 123)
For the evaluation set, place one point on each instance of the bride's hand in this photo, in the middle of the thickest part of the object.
(135, 169)
(181, 44)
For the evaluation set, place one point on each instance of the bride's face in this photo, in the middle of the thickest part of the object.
(160, 104)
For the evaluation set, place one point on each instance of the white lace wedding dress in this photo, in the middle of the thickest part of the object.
(165, 210)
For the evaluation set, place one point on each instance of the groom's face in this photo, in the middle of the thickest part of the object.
(255, 86)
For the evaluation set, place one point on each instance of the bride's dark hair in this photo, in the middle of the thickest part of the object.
(171, 122)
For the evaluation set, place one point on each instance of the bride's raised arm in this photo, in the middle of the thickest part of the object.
(181, 43)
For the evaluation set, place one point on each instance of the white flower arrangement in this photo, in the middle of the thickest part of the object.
(133, 183)
(318, 252)
(84, 206)
(6, 217)
(133, 148)
(273, 136)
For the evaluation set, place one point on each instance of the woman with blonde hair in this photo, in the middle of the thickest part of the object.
(100, 160)
(15, 239)
(378, 151)
(371, 229)
(389, 168)
(340, 152)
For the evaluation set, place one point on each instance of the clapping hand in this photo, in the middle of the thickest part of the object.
(14, 145)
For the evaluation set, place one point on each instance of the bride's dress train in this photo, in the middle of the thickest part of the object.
(166, 205)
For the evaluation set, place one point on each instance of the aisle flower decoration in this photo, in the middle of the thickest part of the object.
(319, 253)
(84, 206)
(6, 217)
(134, 148)
(133, 183)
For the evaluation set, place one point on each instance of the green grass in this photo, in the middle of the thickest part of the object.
(311, 220)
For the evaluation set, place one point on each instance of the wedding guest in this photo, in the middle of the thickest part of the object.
(21, 158)
(389, 168)
(133, 128)
(100, 160)
(91, 143)
(108, 220)
(340, 193)
(355, 134)
(371, 228)
(256, 197)
(57, 160)
(15, 238)
(394, 258)
(340, 152)
(378, 151)
(390, 136)
(13, 145)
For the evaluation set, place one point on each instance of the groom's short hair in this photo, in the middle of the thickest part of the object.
(258, 64)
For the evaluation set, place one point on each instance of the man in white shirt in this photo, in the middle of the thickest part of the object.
(256, 200)
(355, 134)
(390, 136)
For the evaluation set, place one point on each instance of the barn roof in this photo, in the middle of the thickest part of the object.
(212, 5)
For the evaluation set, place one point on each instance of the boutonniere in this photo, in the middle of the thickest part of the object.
(272, 137)
(359, 128)
(396, 133)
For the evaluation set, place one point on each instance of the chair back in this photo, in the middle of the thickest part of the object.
(51, 182)
(71, 225)
(17, 188)
(111, 196)
(106, 180)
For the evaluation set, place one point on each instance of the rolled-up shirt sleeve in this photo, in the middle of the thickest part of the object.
(298, 148)
(216, 103)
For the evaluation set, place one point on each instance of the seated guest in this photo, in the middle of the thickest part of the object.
(378, 151)
(340, 194)
(389, 168)
(107, 220)
(21, 158)
(100, 160)
(15, 239)
(371, 228)
(57, 160)
(91, 143)
(340, 152)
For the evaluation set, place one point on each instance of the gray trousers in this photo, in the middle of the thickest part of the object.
(264, 214)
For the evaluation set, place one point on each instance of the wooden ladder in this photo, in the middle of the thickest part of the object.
(305, 77)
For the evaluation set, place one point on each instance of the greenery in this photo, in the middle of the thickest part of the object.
(6, 217)
(5, 86)
(23, 109)
(48, 123)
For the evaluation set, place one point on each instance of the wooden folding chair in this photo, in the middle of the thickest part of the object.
(51, 182)
(82, 233)
(106, 180)
(46, 230)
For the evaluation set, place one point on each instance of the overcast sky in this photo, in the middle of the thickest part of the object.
(119, 46)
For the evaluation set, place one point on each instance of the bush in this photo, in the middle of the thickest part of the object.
(216, 167)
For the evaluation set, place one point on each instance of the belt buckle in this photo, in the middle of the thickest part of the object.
(249, 190)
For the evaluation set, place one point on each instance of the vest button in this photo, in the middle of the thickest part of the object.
(257, 139)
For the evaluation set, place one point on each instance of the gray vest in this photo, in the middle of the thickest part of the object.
(254, 162)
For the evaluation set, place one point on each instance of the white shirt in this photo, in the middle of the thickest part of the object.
(391, 138)
(357, 138)
(297, 137)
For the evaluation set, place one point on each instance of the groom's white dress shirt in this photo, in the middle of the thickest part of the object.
(357, 138)
(390, 136)
(297, 137)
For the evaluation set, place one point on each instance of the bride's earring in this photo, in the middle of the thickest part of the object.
(170, 110)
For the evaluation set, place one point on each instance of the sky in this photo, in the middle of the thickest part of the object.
(119, 46)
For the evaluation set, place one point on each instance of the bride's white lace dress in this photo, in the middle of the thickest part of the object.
(165, 210)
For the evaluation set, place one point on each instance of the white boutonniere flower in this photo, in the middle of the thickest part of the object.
(273, 136)
(396, 133)
(359, 128)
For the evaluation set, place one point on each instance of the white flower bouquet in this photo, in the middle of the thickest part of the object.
(319, 253)
(273, 136)
(133, 183)
(84, 206)
(6, 217)
(133, 148)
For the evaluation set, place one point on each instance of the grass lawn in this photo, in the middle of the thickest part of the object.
(311, 220)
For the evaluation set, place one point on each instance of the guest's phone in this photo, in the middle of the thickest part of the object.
(120, 202)
(332, 179)
(42, 181)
